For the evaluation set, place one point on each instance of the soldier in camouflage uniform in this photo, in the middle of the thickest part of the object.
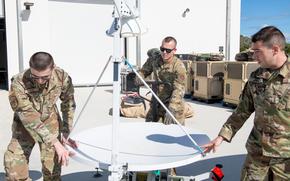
(267, 93)
(170, 72)
(33, 96)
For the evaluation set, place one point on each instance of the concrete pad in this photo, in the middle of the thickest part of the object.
(207, 118)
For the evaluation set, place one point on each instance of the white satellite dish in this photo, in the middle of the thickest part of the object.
(144, 146)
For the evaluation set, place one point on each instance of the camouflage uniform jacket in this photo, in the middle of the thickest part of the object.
(35, 108)
(268, 94)
(172, 77)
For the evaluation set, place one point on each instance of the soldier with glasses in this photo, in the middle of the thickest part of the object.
(33, 96)
(170, 74)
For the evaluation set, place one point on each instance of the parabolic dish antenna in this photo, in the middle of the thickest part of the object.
(143, 146)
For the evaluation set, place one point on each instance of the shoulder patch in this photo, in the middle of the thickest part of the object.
(13, 102)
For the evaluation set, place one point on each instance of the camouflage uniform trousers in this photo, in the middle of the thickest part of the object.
(180, 116)
(16, 158)
(262, 168)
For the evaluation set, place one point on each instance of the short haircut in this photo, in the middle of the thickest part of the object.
(41, 61)
(169, 39)
(270, 35)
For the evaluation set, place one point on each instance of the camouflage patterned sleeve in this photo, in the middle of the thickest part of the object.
(68, 104)
(29, 117)
(178, 88)
(145, 71)
(243, 111)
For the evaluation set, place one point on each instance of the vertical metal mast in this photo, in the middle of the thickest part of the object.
(228, 30)
(115, 166)
(138, 39)
(19, 33)
(124, 11)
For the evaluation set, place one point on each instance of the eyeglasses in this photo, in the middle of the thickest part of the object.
(162, 49)
(35, 77)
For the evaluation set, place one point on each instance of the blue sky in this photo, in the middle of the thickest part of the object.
(256, 14)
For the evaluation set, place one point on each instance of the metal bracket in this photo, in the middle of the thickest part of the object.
(28, 5)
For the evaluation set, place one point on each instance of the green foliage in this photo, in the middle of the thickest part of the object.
(245, 43)
(287, 48)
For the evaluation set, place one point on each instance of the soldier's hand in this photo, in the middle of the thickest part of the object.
(213, 144)
(68, 141)
(62, 153)
(168, 119)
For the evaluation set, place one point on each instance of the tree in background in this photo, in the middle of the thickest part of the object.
(287, 49)
(245, 43)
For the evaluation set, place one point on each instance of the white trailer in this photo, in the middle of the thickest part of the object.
(73, 31)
